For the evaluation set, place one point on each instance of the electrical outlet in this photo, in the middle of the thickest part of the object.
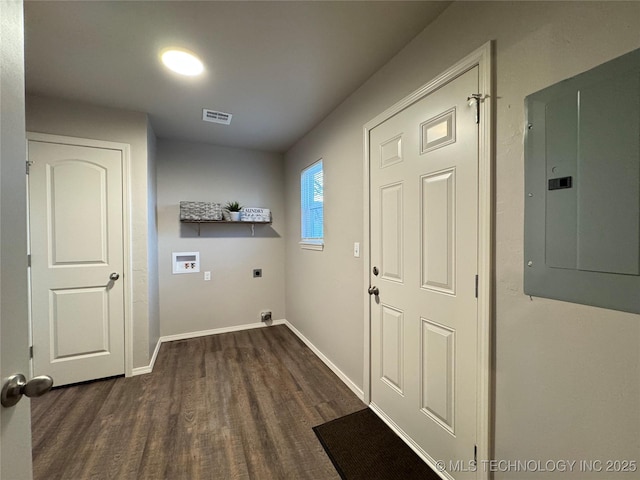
(356, 249)
(257, 273)
(207, 276)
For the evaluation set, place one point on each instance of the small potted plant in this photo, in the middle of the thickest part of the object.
(234, 210)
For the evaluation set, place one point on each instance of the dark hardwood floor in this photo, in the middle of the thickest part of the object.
(232, 406)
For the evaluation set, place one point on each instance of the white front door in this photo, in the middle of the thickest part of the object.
(76, 232)
(424, 248)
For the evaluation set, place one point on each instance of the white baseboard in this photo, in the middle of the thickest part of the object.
(148, 368)
(203, 333)
(217, 331)
(341, 375)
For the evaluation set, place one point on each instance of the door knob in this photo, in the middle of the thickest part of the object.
(374, 291)
(16, 386)
(114, 276)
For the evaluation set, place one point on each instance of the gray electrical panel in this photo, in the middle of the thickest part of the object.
(582, 188)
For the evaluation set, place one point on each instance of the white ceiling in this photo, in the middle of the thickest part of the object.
(278, 67)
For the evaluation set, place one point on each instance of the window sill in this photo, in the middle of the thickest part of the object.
(311, 245)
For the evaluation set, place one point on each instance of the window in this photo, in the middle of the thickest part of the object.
(312, 206)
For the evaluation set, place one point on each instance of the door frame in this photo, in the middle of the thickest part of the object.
(483, 59)
(124, 148)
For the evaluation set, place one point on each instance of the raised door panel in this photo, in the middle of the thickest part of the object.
(391, 152)
(391, 232)
(79, 323)
(392, 347)
(78, 230)
(438, 231)
(438, 373)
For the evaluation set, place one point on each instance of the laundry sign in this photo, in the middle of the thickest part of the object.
(255, 214)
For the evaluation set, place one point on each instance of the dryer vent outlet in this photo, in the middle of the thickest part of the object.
(265, 316)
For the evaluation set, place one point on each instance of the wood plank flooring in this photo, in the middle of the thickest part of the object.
(232, 406)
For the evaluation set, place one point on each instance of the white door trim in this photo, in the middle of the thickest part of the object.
(483, 59)
(126, 228)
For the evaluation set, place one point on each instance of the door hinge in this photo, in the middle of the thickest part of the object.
(29, 163)
(29, 261)
(475, 455)
(476, 286)
(31, 351)
(476, 98)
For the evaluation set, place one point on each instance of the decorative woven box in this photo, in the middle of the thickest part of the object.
(200, 211)
(254, 214)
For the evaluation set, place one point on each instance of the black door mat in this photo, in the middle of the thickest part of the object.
(362, 447)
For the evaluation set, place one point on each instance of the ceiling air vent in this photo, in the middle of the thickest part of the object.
(216, 117)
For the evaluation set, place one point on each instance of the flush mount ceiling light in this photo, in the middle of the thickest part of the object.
(182, 61)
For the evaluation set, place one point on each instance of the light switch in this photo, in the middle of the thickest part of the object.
(356, 249)
(207, 276)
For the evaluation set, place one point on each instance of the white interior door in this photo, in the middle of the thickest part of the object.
(424, 246)
(15, 425)
(76, 229)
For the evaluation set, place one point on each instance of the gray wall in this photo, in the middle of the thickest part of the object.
(200, 172)
(74, 119)
(567, 376)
